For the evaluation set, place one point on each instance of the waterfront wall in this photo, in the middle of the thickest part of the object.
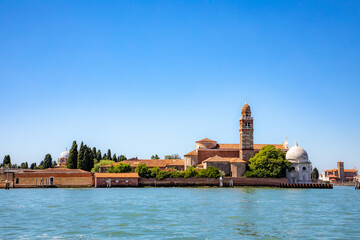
(33, 180)
(194, 182)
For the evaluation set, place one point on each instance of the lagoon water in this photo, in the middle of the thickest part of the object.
(180, 213)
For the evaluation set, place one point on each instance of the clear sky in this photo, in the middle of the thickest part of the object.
(146, 77)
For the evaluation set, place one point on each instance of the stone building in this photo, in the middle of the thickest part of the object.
(300, 170)
(63, 159)
(229, 158)
(339, 174)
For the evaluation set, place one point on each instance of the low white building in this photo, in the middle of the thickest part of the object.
(300, 170)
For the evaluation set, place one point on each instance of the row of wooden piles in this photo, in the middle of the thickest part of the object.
(306, 185)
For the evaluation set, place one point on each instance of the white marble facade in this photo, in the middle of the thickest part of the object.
(300, 171)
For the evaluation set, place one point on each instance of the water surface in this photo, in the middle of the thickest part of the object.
(180, 213)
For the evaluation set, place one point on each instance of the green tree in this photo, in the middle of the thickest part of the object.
(155, 156)
(105, 156)
(94, 152)
(315, 174)
(73, 157)
(173, 156)
(121, 158)
(96, 167)
(120, 168)
(47, 161)
(269, 162)
(33, 166)
(143, 171)
(23, 166)
(98, 155)
(114, 158)
(81, 154)
(7, 161)
(87, 162)
(108, 154)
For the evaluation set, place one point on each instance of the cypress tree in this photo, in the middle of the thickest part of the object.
(98, 155)
(104, 157)
(47, 161)
(33, 166)
(109, 154)
(81, 155)
(114, 158)
(88, 162)
(7, 160)
(94, 152)
(73, 157)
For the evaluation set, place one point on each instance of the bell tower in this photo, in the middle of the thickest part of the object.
(246, 134)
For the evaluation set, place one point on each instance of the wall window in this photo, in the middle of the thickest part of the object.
(304, 168)
(17, 180)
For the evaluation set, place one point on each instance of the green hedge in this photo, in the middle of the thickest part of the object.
(145, 172)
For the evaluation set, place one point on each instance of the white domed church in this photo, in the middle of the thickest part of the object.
(300, 170)
(63, 159)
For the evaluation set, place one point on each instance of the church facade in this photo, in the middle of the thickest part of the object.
(229, 158)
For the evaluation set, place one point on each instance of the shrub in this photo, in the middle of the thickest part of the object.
(143, 171)
(96, 167)
(190, 172)
(120, 168)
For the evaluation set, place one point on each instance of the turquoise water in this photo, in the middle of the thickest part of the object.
(180, 213)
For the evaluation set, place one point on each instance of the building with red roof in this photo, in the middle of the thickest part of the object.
(230, 158)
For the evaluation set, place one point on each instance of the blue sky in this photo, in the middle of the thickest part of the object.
(146, 77)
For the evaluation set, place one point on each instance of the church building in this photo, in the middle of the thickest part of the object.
(229, 158)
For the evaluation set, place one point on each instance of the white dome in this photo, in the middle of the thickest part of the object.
(64, 154)
(297, 154)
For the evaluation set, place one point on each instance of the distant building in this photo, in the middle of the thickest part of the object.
(63, 159)
(300, 170)
(229, 158)
(339, 175)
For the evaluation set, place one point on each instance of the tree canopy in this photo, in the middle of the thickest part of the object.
(315, 174)
(155, 156)
(73, 157)
(47, 161)
(7, 160)
(172, 156)
(270, 162)
(120, 168)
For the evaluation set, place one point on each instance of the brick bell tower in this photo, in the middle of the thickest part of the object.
(246, 134)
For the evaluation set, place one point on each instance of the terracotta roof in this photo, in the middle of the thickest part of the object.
(215, 159)
(259, 146)
(116, 175)
(340, 162)
(330, 170)
(332, 176)
(223, 159)
(206, 140)
(192, 153)
(350, 170)
(228, 146)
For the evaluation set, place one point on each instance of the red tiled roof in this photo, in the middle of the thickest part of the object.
(350, 170)
(223, 159)
(206, 140)
(192, 153)
(116, 175)
(332, 176)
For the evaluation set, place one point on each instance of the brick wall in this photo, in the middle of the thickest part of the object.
(59, 179)
(116, 182)
(194, 182)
